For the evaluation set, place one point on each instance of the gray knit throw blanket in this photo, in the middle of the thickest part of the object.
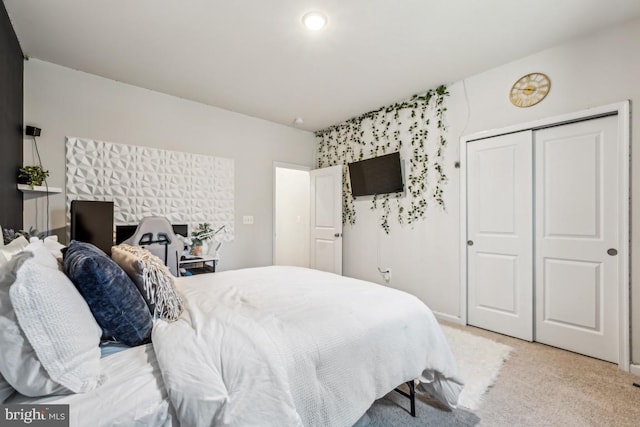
(158, 284)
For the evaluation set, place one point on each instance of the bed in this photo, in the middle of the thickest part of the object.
(282, 346)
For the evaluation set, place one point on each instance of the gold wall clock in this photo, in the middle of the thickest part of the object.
(529, 90)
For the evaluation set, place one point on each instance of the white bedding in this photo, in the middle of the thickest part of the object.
(269, 346)
(131, 394)
(289, 346)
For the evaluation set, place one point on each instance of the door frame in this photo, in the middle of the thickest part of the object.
(273, 201)
(622, 111)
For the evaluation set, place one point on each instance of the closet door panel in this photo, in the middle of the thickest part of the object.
(572, 199)
(499, 233)
(576, 215)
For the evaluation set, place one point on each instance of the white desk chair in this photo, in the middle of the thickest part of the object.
(155, 233)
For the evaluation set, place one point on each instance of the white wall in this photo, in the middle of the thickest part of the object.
(64, 102)
(292, 199)
(587, 72)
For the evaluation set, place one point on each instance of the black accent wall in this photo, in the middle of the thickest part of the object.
(11, 122)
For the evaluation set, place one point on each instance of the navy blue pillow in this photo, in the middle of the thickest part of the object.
(112, 297)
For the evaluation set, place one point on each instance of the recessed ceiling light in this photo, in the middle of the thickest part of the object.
(314, 21)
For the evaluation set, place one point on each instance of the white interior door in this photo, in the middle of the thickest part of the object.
(577, 203)
(499, 233)
(326, 219)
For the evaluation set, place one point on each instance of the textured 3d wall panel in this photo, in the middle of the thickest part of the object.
(141, 181)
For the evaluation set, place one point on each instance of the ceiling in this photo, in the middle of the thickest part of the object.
(256, 58)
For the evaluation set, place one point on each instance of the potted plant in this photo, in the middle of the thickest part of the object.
(32, 175)
(200, 236)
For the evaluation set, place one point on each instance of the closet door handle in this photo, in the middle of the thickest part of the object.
(612, 252)
(337, 235)
(470, 242)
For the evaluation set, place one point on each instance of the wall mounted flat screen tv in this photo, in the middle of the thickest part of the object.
(378, 175)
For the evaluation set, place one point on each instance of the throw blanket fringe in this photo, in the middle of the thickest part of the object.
(158, 284)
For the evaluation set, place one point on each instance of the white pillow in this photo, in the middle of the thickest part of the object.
(55, 247)
(57, 321)
(19, 364)
(41, 254)
(14, 247)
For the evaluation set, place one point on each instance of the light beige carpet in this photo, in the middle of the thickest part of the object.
(541, 385)
(479, 362)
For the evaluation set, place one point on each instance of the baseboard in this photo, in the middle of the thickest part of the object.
(634, 369)
(448, 318)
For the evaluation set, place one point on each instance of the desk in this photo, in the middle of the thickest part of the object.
(198, 265)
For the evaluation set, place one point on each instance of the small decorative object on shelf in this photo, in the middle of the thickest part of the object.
(32, 175)
(196, 249)
(200, 235)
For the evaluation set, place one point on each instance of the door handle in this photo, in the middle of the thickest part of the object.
(612, 252)
(470, 242)
(337, 235)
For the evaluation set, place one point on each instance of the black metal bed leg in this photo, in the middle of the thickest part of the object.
(411, 396)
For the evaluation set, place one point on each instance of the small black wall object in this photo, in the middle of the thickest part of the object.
(32, 131)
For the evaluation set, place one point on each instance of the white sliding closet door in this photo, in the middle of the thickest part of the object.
(577, 199)
(499, 232)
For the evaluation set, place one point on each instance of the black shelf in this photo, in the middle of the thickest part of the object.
(198, 265)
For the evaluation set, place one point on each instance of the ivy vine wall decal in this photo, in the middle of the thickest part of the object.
(414, 127)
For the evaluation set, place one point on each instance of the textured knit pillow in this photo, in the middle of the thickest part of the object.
(153, 279)
(55, 247)
(57, 321)
(19, 363)
(113, 298)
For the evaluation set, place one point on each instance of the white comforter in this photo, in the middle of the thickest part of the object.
(290, 346)
(131, 393)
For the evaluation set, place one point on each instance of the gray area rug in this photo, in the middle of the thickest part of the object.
(393, 410)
